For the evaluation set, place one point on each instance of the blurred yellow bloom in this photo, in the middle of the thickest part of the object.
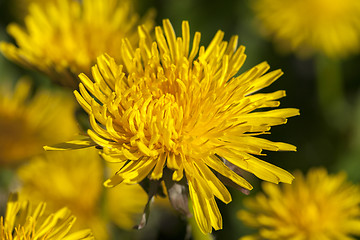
(318, 206)
(327, 26)
(63, 39)
(74, 179)
(28, 122)
(184, 109)
(23, 222)
(125, 203)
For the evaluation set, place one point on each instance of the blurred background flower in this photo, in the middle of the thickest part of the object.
(331, 27)
(63, 38)
(29, 120)
(74, 179)
(317, 206)
(71, 179)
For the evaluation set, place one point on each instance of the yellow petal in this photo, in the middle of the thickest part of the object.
(214, 183)
(200, 209)
(158, 170)
(214, 213)
(113, 181)
(82, 142)
(216, 164)
(138, 171)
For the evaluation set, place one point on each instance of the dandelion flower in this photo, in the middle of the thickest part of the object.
(169, 107)
(330, 27)
(62, 178)
(318, 206)
(24, 222)
(27, 122)
(63, 39)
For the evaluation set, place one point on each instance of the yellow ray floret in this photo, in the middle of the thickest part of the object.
(64, 37)
(183, 107)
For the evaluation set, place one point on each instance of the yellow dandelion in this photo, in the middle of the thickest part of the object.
(330, 27)
(28, 122)
(23, 222)
(62, 178)
(170, 107)
(318, 206)
(63, 39)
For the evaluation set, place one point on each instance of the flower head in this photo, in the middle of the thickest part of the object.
(63, 39)
(62, 179)
(180, 108)
(330, 27)
(318, 206)
(24, 222)
(27, 121)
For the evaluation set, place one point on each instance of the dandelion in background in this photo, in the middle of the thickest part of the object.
(74, 179)
(63, 39)
(331, 27)
(28, 121)
(175, 113)
(23, 221)
(318, 206)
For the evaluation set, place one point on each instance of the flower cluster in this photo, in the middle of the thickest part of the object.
(172, 117)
